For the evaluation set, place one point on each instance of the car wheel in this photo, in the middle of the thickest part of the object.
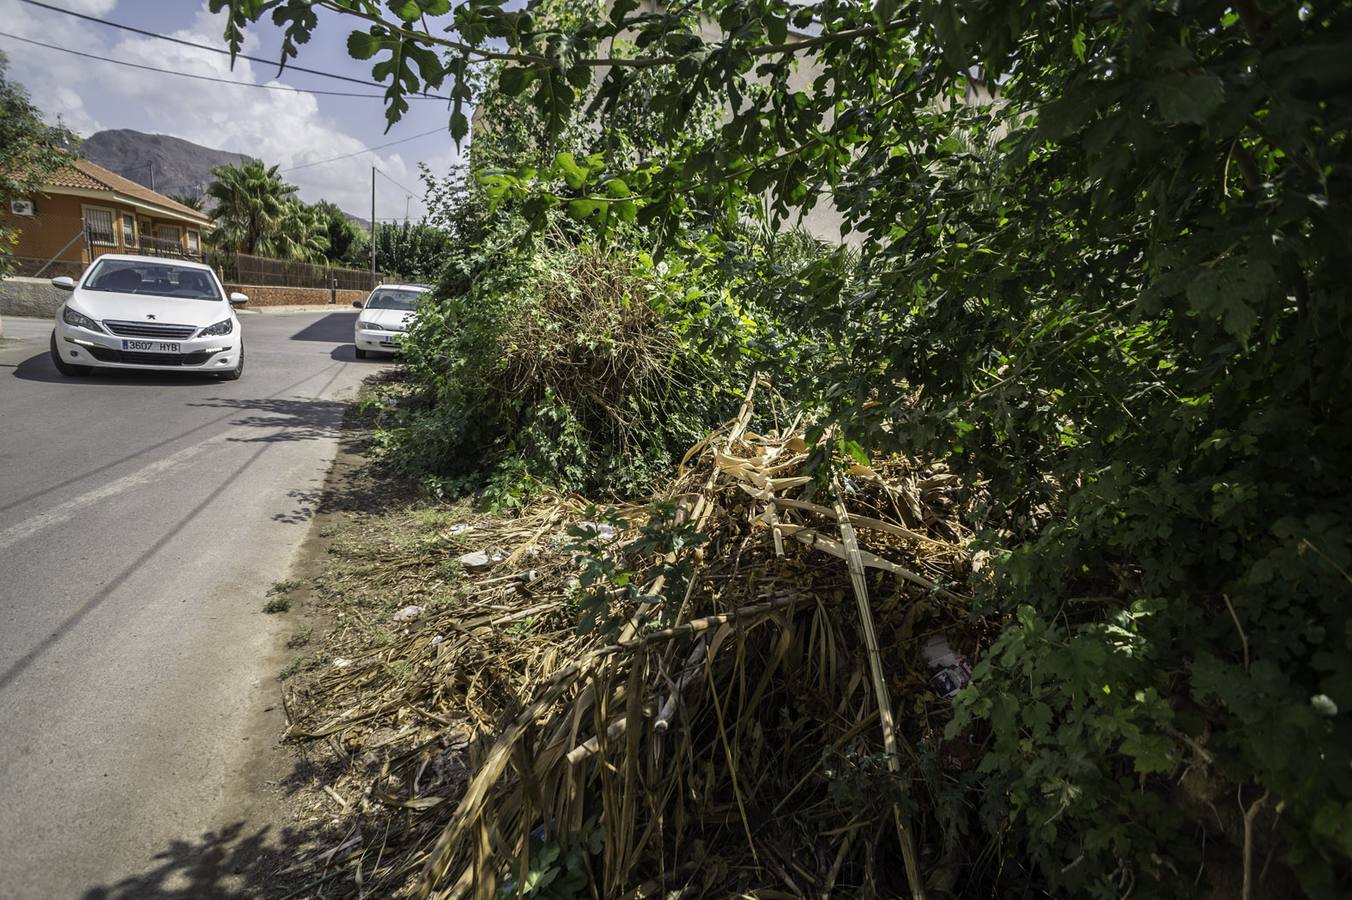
(70, 370)
(361, 354)
(238, 370)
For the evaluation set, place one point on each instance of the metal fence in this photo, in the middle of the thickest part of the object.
(241, 268)
(148, 246)
(234, 268)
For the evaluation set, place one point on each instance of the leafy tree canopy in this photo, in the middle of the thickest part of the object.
(30, 151)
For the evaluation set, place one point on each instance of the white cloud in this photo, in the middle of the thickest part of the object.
(91, 7)
(286, 128)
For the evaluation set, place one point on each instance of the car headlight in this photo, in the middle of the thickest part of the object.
(79, 319)
(225, 326)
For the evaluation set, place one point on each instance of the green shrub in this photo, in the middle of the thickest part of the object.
(572, 365)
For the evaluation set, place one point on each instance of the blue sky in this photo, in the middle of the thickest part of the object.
(284, 128)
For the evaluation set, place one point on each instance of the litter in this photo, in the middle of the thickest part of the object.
(479, 560)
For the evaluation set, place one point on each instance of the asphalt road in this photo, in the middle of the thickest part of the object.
(143, 518)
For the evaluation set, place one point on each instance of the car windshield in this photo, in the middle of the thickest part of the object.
(153, 277)
(389, 298)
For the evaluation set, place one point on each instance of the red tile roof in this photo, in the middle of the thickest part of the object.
(85, 175)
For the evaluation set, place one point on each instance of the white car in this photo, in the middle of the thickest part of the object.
(141, 312)
(384, 318)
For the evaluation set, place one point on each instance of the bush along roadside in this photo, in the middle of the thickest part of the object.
(1102, 267)
(571, 365)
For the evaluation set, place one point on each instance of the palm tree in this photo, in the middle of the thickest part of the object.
(192, 201)
(301, 233)
(251, 201)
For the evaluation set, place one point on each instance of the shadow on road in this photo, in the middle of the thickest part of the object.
(335, 328)
(234, 862)
(287, 419)
(313, 848)
(307, 502)
(316, 849)
(348, 353)
(39, 368)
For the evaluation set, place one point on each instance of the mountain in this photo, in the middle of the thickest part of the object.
(179, 167)
(162, 163)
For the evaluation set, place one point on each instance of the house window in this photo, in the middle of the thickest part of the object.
(128, 230)
(194, 243)
(167, 233)
(99, 225)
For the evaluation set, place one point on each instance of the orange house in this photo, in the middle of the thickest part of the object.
(83, 211)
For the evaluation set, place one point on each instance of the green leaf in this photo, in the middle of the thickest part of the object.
(622, 8)
(408, 10)
(855, 451)
(362, 44)
(1230, 290)
(1189, 98)
(459, 126)
(574, 174)
(1151, 753)
(1077, 44)
(584, 209)
(580, 76)
(514, 80)
(776, 28)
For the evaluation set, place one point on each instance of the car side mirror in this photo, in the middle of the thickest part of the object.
(65, 283)
(356, 304)
(238, 299)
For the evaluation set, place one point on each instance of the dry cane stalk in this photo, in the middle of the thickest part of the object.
(856, 567)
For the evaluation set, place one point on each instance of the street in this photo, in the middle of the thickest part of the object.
(143, 518)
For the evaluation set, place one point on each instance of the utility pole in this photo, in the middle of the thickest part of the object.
(373, 223)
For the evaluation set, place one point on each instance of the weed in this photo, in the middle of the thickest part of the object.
(285, 586)
(524, 627)
(277, 605)
(299, 639)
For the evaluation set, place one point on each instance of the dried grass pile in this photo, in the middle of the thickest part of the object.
(746, 737)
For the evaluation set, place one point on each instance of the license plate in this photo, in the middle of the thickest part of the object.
(150, 346)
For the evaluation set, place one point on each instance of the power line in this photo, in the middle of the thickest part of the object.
(211, 49)
(123, 62)
(395, 183)
(320, 162)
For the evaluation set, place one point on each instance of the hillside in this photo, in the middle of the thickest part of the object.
(166, 164)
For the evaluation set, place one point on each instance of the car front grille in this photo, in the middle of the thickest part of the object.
(150, 330)
(134, 358)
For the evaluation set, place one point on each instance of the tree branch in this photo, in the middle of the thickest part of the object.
(641, 62)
